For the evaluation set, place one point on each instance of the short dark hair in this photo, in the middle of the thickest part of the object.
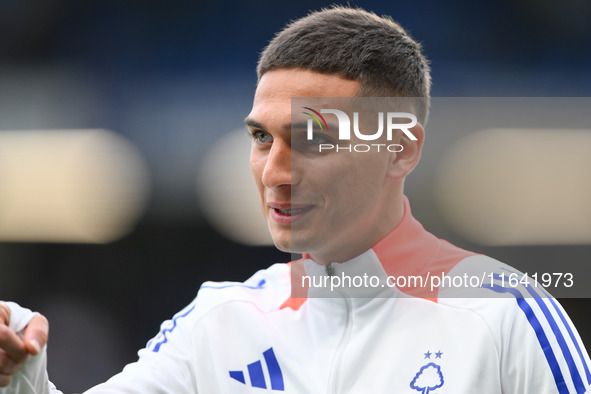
(358, 45)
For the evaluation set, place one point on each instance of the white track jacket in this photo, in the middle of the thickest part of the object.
(286, 330)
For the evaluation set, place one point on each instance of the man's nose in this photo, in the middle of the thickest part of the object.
(277, 170)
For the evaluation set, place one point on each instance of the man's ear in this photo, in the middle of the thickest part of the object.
(405, 161)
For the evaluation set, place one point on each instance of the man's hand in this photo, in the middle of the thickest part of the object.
(14, 350)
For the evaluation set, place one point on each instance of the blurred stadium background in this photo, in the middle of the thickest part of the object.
(117, 200)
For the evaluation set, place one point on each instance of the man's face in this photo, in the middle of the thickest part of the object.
(332, 206)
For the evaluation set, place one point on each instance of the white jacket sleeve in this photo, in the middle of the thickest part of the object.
(165, 366)
(32, 377)
(543, 352)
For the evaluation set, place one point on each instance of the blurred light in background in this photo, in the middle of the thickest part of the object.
(518, 187)
(87, 186)
(227, 192)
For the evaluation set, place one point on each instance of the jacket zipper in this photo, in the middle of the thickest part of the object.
(333, 382)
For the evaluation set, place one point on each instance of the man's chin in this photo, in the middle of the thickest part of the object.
(283, 247)
(289, 247)
(292, 245)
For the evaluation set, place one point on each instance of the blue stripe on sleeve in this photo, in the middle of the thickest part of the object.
(572, 367)
(168, 330)
(573, 338)
(540, 334)
(259, 286)
(570, 333)
(568, 329)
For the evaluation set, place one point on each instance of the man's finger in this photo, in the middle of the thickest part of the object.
(4, 313)
(5, 380)
(12, 344)
(7, 365)
(36, 334)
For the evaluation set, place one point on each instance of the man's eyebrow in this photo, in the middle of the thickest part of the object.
(257, 125)
(253, 123)
(299, 126)
(304, 126)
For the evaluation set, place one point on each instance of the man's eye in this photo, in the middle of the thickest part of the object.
(301, 143)
(318, 139)
(260, 137)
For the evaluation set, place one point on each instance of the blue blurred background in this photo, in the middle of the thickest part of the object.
(172, 78)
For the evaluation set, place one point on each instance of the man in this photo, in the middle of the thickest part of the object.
(346, 212)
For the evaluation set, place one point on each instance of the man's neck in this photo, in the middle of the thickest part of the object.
(363, 242)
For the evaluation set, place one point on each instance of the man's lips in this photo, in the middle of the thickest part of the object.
(286, 213)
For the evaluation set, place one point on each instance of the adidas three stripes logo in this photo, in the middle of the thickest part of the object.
(256, 375)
